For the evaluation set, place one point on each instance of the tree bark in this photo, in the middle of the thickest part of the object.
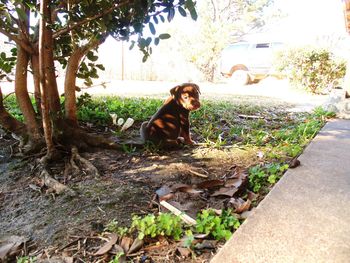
(69, 87)
(44, 50)
(36, 78)
(22, 95)
(70, 80)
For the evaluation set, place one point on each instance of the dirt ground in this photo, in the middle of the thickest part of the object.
(127, 186)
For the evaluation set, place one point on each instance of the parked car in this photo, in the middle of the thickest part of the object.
(245, 62)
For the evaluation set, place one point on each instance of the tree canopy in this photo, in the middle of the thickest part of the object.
(69, 32)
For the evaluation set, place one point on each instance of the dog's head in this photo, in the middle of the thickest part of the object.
(187, 95)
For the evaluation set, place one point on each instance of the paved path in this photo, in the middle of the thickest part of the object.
(306, 217)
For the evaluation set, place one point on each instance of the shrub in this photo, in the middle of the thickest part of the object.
(314, 69)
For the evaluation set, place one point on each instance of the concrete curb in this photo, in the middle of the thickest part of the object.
(306, 216)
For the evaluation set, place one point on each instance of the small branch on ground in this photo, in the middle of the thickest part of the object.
(54, 184)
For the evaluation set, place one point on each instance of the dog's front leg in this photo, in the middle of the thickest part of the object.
(185, 129)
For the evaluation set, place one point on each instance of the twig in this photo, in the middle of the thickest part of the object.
(69, 244)
(186, 218)
(243, 116)
(198, 174)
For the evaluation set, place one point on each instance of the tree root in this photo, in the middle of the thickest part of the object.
(54, 184)
(78, 163)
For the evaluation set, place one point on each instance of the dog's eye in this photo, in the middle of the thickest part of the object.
(185, 97)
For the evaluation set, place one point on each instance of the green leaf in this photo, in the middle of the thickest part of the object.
(90, 55)
(21, 14)
(100, 66)
(148, 41)
(156, 41)
(171, 14)
(162, 18)
(182, 11)
(132, 45)
(151, 28)
(164, 36)
(194, 14)
(144, 59)
(155, 19)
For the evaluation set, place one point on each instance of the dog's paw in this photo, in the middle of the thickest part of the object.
(181, 140)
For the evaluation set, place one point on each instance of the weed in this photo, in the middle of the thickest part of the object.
(116, 258)
(26, 259)
(163, 224)
(262, 176)
(114, 228)
(218, 226)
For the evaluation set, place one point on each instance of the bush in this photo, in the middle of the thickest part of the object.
(314, 69)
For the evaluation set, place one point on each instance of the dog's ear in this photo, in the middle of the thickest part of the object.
(174, 91)
(197, 88)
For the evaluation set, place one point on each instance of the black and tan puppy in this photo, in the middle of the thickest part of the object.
(170, 126)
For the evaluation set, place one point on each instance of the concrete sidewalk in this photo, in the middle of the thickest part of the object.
(306, 217)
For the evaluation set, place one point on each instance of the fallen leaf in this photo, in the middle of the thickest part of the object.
(200, 236)
(244, 207)
(225, 191)
(136, 245)
(107, 246)
(210, 184)
(294, 163)
(125, 243)
(10, 245)
(164, 193)
(184, 188)
(184, 251)
(57, 260)
(252, 196)
(179, 187)
(206, 244)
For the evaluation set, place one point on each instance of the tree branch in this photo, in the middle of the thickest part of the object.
(26, 46)
(88, 19)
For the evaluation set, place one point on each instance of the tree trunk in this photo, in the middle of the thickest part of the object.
(8, 122)
(22, 95)
(69, 87)
(44, 50)
(36, 78)
(70, 80)
(52, 90)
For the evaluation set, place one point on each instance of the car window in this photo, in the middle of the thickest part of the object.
(262, 45)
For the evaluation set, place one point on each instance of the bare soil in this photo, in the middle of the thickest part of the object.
(127, 186)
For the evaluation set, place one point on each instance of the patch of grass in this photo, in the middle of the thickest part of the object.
(165, 224)
(26, 259)
(261, 177)
(220, 227)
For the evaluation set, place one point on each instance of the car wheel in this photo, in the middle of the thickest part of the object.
(240, 77)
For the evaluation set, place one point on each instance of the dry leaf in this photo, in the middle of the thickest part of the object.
(136, 245)
(210, 184)
(10, 245)
(206, 244)
(244, 207)
(107, 246)
(294, 163)
(252, 196)
(164, 193)
(125, 243)
(225, 191)
(184, 251)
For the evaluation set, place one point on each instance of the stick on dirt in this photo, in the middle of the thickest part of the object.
(187, 219)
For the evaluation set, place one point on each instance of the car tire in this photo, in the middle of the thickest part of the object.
(240, 77)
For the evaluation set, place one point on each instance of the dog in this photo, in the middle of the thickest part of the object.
(170, 126)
